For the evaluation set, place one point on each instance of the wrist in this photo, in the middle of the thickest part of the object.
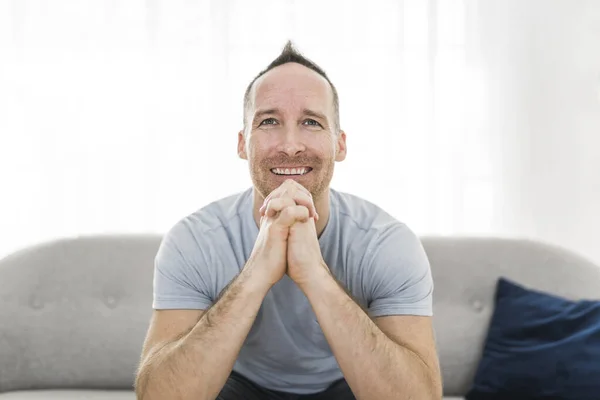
(255, 275)
(319, 278)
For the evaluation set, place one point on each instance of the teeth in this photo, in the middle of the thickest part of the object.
(288, 171)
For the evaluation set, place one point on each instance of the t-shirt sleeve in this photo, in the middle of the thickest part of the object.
(399, 275)
(180, 273)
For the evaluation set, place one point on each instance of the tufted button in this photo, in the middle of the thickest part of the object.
(111, 302)
(478, 305)
(36, 304)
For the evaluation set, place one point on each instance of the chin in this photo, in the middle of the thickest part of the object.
(266, 183)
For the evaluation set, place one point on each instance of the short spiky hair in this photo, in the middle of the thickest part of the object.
(290, 54)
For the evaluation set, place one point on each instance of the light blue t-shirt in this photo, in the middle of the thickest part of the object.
(379, 260)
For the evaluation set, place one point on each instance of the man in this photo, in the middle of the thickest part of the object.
(290, 290)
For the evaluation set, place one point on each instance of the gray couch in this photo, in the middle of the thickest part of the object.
(74, 312)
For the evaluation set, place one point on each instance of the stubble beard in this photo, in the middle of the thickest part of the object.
(317, 184)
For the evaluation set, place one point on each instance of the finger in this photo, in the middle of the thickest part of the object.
(276, 205)
(292, 214)
(298, 186)
(285, 187)
(274, 194)
(300, 197)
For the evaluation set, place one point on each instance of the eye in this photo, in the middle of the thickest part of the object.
(268, 121)
(312, 122)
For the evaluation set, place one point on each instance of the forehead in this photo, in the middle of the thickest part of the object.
(291, 86)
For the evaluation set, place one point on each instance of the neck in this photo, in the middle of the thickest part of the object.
(321, 204)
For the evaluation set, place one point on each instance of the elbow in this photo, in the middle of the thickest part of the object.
(433, 381)
(429, 388)
(436, 389)
(140, 382)
(143, 384)
(150, 386)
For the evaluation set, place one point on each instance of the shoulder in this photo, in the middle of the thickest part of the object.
(376, 232)
(208, 222)
(393, 269)
(361, 214)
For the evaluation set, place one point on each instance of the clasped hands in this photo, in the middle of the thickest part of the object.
(288, 224)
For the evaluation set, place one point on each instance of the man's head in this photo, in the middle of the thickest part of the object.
(291, 125)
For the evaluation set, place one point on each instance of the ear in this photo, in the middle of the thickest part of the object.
(242, 146)
(340, 154)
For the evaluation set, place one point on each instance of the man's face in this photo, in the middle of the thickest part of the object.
(290, 131)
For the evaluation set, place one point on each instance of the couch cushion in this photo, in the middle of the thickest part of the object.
(75, 312)
(86, 395)
(539, 346)
(465, 272)
(93, 296)
(69, 395)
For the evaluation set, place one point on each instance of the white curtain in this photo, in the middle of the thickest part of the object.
(122, 116)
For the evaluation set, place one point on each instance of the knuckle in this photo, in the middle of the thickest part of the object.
(275, 204)
(289, 202)
(288, 212)
(300, 211)
(303, 212)
(303, 199)
(307, 197)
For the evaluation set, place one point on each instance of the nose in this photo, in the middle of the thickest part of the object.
(291, 143)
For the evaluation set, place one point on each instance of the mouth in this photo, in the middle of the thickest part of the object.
(297, 171)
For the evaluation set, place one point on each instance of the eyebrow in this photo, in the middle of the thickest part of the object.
(276, 111)
(315, 114)
(261, 113)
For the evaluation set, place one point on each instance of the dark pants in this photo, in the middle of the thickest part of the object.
(239, 387)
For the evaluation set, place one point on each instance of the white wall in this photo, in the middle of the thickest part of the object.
(111, 120)
(544, 66)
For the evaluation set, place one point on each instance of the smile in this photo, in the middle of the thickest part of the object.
(291, 171)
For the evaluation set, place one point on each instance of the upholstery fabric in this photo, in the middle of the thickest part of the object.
(75, 311)
(465, 273)
(69, 395)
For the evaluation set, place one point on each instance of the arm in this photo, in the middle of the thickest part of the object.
(375, 365)
(394, 358)
(197, 364)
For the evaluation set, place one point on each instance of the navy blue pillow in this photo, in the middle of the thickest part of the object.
(539, 347)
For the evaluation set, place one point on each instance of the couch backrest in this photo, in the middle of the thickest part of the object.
(465, 272)
(74, 312)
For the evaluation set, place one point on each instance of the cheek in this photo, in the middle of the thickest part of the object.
(326, 147)
(257, 152)
(254, 148)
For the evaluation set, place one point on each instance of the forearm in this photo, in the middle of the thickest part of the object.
(197, 365)
(374, 366)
